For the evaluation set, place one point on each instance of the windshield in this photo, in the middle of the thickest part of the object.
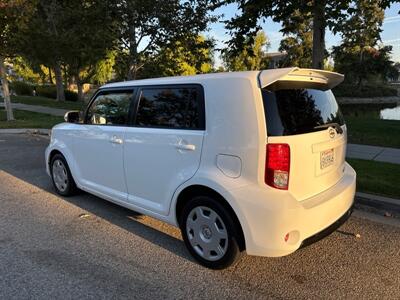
(296, 111)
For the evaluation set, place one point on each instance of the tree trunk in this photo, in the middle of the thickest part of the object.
(133, 54)
(80, 88)
(50, 77)
(59, 82)
(6, 92)
(319, 25)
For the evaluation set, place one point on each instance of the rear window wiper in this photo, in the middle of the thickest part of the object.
(337, 127)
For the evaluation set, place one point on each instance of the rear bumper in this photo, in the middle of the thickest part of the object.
(267, 216)
(327, 231)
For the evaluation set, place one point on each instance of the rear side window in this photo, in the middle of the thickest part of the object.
(175, 107)
(296, 111)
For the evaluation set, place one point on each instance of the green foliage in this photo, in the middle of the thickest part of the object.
(143, 30)
(14, 16)
(25, 70)
(244, 26)
(369, 65)
(253, 58)
(369, 90)
(103, 70)
(21, 88)
(359, 57)
(181, 58)
(89, 57)
(297, 43)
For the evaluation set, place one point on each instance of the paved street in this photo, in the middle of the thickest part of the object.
(81, 247)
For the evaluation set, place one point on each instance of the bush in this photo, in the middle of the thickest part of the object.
(71, 96)
(21, 88)
(50, 91)
(365, 91)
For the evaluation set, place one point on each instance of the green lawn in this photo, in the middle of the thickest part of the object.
(27, 119)
(377, 177)
(365, 126)
(43, 101)
(373, 132)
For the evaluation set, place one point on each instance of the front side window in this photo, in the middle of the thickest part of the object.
(110, 109)
(170, 108)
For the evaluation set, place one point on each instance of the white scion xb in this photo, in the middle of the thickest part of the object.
(242, 161)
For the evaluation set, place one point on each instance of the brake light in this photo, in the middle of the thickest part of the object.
(277, 166)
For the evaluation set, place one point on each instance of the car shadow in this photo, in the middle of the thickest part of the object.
(28, 165)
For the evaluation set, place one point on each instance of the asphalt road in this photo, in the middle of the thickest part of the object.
(85, 247)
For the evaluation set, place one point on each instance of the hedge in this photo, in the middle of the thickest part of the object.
(25, 89)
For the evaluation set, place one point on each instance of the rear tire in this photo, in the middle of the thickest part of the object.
(209, 233)
(61, 176)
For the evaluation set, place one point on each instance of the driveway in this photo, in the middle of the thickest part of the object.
(85, 247)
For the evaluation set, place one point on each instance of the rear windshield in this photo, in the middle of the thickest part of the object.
(296, 111)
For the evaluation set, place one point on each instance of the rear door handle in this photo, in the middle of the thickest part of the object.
(116, 140)
(187, 147)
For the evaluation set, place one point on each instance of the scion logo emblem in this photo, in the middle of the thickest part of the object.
(332, 133)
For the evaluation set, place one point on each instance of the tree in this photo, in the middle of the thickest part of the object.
(251, 58)
(13, 17)
(146, 26)
(44, 39)
(359, 56)
(324, 14)
(297, 30)
(90, 39)
(181, 58)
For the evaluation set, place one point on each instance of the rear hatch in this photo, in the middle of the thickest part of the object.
(304, 114)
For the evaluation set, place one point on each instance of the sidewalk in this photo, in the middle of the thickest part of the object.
(376, 153)
(40, 109)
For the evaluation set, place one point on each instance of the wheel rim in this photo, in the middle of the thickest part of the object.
(207, 233)
(60, 175)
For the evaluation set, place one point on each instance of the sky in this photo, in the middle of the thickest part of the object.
(390, 34)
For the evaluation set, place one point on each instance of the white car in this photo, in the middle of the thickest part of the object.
(243, 161)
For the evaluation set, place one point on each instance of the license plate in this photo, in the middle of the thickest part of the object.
(327, 158)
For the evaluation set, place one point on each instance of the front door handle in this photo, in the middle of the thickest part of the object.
(116, 140)
(187, 147)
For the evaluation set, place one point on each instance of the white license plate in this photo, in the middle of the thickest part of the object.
(327, 158)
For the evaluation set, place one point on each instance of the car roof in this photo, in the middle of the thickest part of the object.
(315, 78)
(183, 79)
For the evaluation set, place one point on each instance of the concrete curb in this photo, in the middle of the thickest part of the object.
(378, 204)
(39, 131)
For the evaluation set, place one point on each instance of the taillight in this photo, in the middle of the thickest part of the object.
(277, 166)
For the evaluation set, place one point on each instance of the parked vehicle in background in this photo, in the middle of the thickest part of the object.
(243, 161)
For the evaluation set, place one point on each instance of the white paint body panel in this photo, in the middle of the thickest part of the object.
(154, 172)
(156, 164)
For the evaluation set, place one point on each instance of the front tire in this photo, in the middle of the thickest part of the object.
(63, 181)
(209, 233)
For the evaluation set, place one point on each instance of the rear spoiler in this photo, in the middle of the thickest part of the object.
(297, 77)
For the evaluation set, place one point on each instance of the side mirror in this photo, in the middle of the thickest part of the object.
(72, 116)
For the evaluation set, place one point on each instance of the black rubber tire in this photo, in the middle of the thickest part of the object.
(233, 252)
(71, 186)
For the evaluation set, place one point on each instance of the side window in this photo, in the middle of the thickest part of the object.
(110, 109)
(175, 107)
